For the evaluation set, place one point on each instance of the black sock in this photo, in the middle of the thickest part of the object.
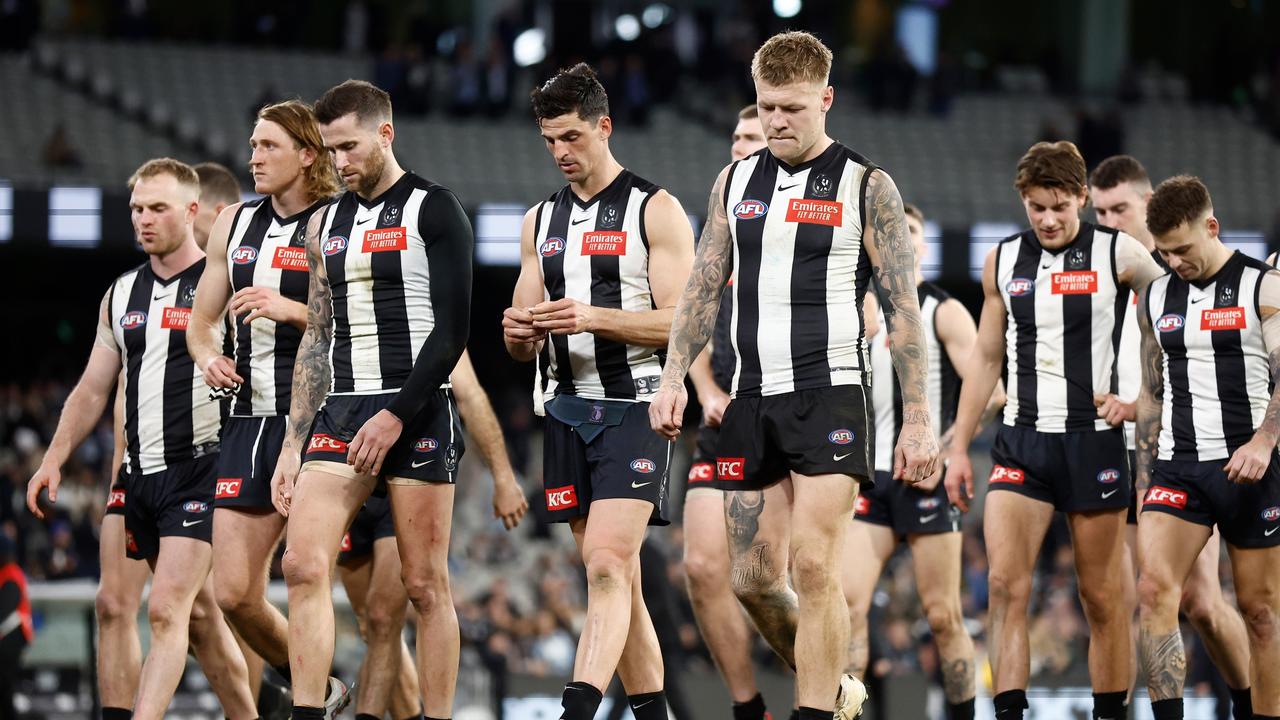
(1170, 709)
(648, 706)
(419, 716)
(580, 701)
(1241, 704)
(808, 713)
(795, 715)
(300, 712)
(961, 710)
(284, 672)
(367, 716)
(1010, 704)
(114, 713)
(752, 709)
(1266, 717)
(1109, 706)
(424, 717)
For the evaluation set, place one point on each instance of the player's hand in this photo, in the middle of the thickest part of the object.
(565, 316)
(916, 456)
(930, 483)
(517, 327)
(959, 479)
(1114, 410)
(260, 302)
(666, 410)
(46, 476)
(220, 372)
(509, 503)
(369, 447)
(713, 407)
(283, 479)
(1249, 463)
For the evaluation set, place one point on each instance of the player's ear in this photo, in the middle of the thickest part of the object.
(605, 123)
(306, 156)
(387, 132)
(828, 97)
(1211, 225)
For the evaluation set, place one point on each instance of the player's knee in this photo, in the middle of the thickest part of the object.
(1156, 594)
(163, 615)
(813, 572)
(305, 567)
(705, 570)
(1199, 606)
(111, 606)
(428, 589)
(232, 598)
(382, 620)
(1008, 590)
(608, 570)
(944, 617)
(1100, 603)
(1260, 617)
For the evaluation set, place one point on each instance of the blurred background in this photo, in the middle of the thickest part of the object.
(945, 94)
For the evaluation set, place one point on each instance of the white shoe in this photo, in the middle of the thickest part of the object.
(849, 698)
(339, 697)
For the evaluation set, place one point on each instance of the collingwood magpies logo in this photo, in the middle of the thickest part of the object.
(391, 215)
(821, 185)
(610, 217)
(1076, 259)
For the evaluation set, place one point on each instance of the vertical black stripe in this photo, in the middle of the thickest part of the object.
(1174, 343)
(748, 240)
(1124, 298)
(810, 334)
(242, 276)
(135, 346)
(1022, 308)
(949, 385)
(293, 285)
(1229, 362)
(390, 312)
(553, 279)
(861, 285)
(179, 374)
(1077, 339)
(606, 291)
(335, 265)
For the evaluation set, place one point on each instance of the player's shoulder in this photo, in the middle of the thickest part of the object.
(1250, 261)
(647, 187)
(928, 289)
(848, 154)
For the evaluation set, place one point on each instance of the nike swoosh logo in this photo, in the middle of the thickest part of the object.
(420, 464)
(579, 222)
(1046, 267)
(637, 486)
(189, 523)
(1270, 532)
(927, 518)
(1196, 300)
(838, 458)
(646, 702)
(277, 235)
(1109, 493)
(788, 187)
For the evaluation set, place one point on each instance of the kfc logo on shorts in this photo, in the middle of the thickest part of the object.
(1271, 514)
(227, 488)
(131, 320)
(1109, 476)
(244, 255)
(326, 443)
(345, 546)
(862, 505)
(562, 498)
(426, 445)
(1002, 474)
(929, 503)
(1164, 496)
(750, 210)
(195, 506)
(115, 499)
(1018, 287)
(1170, 322)
(334, 245)
(643, 465)
(702, 472)
(731, 468)
(551, 247)
(843, 436)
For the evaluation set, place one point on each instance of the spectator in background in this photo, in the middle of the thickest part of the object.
(59, 152)
(465, 81)
(16, 630)
(497, 80)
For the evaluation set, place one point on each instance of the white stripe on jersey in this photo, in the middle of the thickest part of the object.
(882, 382)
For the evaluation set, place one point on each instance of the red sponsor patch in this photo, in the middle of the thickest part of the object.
(326, 443)
(601, 242)
(1165, 496)
(815, 212)
(731, 468)
(385, 239)
(1002, 474)
(702, 472)
(129, 543)
(562, 498)
(1080, 282)
(290, 258)
(175, 318)
(345, 546)
(115, 499)
(1228, 318)
(862, 505)
(227, 488)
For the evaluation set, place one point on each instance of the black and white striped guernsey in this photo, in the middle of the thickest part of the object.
(1062, 331)
(943, 386)
(266, 250)
(375, 255)
(800, 271)
(1129, 358)
(1216, 376)
(596, 252)
(168, 416)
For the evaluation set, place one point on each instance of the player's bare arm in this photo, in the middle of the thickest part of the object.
(984, 368)
(509, 504)
(695, 314)
(670, 256)
(1135, 269)
(893, 263)
(81, 412)
(524, 341)
(204, 337)
(958, 334)
(1149, 403)
(711, 397)
(1249, 463)
(311, 372)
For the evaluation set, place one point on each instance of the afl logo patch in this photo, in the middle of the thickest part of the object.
(244, 255)
(1170, 322)
(643, 465)
(334, 245)
(843, 436)
(551, 247)
(134, 319)
(1018, 287)
(1271, 514)
(195, 506)
(426, 445)
(750, 210)
(1109, 476)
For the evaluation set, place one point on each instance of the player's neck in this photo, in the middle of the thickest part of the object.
(600, 178)
(391, 174)
(814, 151)
(166, 266)
(1145, 237)
(1219, 256)
(292, 200)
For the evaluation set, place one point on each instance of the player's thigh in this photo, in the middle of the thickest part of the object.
(423, 515)
(122, 578)
(1167, 550)
(1097, 540)
(386, 590)
(706, 545)
(1014, 526)
(245, 541)
(759, 521)
(615, 529)
(867, 547)
(323, 507)
(357, 575)
(935, 558)
(1256, 571)
(821, 509)
(180, 570)
(1203, 582)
